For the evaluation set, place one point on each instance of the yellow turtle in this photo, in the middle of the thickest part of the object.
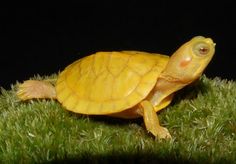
(126, 84)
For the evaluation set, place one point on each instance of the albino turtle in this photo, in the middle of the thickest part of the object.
(126, 84)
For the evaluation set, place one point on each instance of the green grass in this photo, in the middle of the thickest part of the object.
(201, 119)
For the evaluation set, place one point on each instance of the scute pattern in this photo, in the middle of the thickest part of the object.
(108, 82)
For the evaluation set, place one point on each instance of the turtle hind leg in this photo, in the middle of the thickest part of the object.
(31, 89)
(152, 122)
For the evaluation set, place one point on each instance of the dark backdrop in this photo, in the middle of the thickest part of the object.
(43, 39)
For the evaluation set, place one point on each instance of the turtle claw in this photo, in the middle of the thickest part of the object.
(163, 133)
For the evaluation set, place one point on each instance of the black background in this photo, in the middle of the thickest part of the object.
(44, 38)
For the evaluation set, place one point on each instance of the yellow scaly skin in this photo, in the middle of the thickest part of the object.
(126, 84)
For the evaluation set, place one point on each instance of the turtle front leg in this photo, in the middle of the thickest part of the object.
(152, 122)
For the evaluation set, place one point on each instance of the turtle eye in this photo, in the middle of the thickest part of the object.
(201, 49)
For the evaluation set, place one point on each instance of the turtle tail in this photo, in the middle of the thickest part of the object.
(35, 89)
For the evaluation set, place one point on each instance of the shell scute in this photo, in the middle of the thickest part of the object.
(125, 84)
(117, 63)
(140, 65)
(99, 64)
(101, 89)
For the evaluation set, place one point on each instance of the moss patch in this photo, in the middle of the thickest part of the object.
(201, 119)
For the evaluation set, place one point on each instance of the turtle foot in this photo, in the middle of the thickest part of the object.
(31, 89)
(162, 133)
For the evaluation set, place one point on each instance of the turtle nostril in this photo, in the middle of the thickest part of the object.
(209, 41)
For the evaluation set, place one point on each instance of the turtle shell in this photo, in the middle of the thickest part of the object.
(109, 82)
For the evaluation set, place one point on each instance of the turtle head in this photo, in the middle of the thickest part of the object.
(190, 60)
